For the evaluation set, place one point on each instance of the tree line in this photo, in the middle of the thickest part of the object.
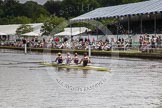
(14, 12)
(52, 13)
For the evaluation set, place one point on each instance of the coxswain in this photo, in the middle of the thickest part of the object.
(85, 60)
(76, 59)
(59, 59)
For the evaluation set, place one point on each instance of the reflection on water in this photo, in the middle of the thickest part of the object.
(132, 83)
(70, 71)
(85, 72)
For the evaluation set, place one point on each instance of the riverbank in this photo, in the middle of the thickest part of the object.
(130, 54)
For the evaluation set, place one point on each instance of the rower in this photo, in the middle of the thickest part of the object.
(85, 60)
(68, 59)
(59, 59)
(76, 59)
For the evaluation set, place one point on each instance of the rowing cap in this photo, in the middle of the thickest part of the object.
(59, 53)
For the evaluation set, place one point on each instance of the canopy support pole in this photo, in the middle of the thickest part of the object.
(141, 24)
(117, 33)
(128, 25)
(70, 36)
(155, 24)
(89, 44)
(80, 31)
(117, 30)
(97, 30)
(89, 47)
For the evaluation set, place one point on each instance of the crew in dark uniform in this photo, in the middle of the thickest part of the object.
(85, 60)
(59, 59)
(76, 59)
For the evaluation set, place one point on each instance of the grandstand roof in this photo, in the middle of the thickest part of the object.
(146, 7)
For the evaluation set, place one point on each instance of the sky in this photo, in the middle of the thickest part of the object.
(39, 1)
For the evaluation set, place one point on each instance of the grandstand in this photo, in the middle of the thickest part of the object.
(134, 18)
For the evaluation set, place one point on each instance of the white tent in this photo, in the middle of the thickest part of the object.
(11, 29)
(74, 31)
(64, 33)
(31, 34)
(1, 33)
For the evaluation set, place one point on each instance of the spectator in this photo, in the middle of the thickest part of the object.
(153, 41)
(159, 41)
(140, 41)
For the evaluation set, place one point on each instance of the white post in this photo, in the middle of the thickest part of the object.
(89, 50)
(89, 47)
(25, 48)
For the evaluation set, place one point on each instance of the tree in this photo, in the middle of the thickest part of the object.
(12, 11)
(53, 25)
(24, 29)
(109, 21)
(53, 7)
(131, 1)
(4, 21)
(1, 12)
(1, 2)
(73, 8)
(12, 8)
(41, 19)
(33, 10)
(20, 20)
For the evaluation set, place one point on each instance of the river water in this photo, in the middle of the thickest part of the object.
(26, 83)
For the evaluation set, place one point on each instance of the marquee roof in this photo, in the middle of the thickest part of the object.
(31, 34)
(11, 29)
(146, 7)
(73, 31)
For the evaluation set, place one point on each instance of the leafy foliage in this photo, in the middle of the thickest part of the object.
(109, 21)
(53, 7)
(72, 8)
(33, 10)
(20, 20)
(53, 25)
(12, 11)
(24, 29)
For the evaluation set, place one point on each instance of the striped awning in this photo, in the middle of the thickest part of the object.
(147, 7)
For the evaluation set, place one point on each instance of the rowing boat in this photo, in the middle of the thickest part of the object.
(89, 67)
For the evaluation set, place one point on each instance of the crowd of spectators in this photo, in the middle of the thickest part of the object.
(66, 43)
(148, 43)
